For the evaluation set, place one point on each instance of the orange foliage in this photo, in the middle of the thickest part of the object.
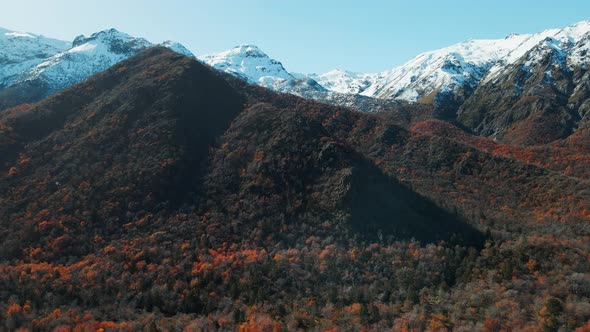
(13, 310)
(11, 172)
(585, 328)
(491, 324)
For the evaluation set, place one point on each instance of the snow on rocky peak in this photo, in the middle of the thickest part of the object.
(573, 33)
(565, 38)
(89, 55)
(249, 63)
(444, 70)
(178, 48)
(462, 66)
(447, 74)
(344, 81)
(580, 54)
(115, 41)
(20, 51)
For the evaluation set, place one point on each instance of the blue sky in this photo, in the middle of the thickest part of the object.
(307, 36)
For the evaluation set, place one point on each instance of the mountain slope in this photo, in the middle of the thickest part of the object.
(143, 130)
(454, 70)
(85, 57)
(137, 132)
(193, 200)
(447, 77)
(20, 51)
(537, 98)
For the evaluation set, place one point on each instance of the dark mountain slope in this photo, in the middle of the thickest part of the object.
(568, 157)
(127, 140)
(479, 184)
(26, 92)
(281, 169)
(135, 139)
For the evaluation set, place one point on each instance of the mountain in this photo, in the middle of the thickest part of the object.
(157, 116)
(337, 87)
(445, 78)
(70, 65)
(20, 51)
(250, 64)
(88, 55)
(343, 81)
(161, 194)
(537, 97)
(524, 89)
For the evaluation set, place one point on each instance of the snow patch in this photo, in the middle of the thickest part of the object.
(19, 34)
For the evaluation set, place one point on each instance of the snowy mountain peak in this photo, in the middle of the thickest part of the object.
(249, 63)
(512, 35)
(20, 51)
(459, 68)
(564, 39)
(248, 51)
(177, 47)
(448, 70)
(574, 32)
(87, 56)
(108, 34)
(116, 41)
(343, 81)
(6, 34)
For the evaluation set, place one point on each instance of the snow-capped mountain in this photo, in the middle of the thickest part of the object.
(249, 63)
(535, 97)
(564, 39)
(448, 76)
(20, 51)
(89, 55)
(344, 81)
(449, 69)
(444, 77)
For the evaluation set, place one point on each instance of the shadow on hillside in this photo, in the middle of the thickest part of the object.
(381, 207)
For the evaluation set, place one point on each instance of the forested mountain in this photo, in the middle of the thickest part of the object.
(162, 194)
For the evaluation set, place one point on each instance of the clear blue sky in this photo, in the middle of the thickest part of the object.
(307, 36)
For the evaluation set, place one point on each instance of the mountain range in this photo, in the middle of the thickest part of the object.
(175, 190)
(34, 67)
(461, 81)
(144, 188)
(464, 82)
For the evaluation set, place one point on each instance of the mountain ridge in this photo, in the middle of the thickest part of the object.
(70, 64)
(445, 78)
(449, 79)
